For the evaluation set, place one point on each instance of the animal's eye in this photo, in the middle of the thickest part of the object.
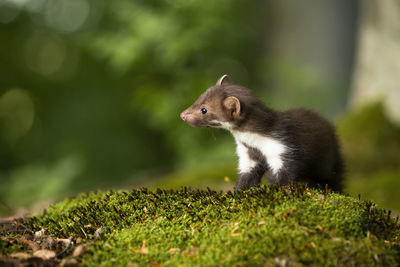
(204, 110)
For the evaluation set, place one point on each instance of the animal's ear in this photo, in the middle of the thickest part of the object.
(232, 105)
(224, 80)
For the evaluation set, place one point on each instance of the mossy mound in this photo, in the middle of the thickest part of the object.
(268, 225)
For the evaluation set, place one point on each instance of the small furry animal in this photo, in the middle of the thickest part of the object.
(293, 145)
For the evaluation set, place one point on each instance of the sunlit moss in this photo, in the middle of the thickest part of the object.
(263, 226)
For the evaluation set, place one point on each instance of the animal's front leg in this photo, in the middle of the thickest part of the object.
(282, 177)
(251, 178)
(250, 171)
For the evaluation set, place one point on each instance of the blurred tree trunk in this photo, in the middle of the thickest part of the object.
(310, 50)
(377, 69)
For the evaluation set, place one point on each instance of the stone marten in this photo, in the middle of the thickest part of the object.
(293, 145)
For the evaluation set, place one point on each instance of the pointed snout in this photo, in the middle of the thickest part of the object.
(184, 115)
(187, 116)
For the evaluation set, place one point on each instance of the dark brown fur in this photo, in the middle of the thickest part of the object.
(314, 154)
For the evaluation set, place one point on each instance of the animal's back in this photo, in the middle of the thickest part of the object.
(315, 144)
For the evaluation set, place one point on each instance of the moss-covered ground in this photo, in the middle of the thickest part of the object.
(269, 225)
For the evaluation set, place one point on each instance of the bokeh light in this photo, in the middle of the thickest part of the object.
(67, 16)
(16, 113)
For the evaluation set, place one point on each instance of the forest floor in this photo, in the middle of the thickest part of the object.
(268, 225)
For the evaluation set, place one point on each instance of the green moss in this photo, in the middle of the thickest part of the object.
(267, 225)
(7, 249)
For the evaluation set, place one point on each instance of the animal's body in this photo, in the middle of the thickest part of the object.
(293, 145)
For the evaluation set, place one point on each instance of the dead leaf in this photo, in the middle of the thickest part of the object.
(44, 254)
(173, 250)
(69, 262)
(21, 255)
(235, 229)
(261, 223)
(143, 249)
(288, 213)
(78, 251)
(311, 245)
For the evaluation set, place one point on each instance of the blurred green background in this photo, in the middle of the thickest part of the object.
(91, 92)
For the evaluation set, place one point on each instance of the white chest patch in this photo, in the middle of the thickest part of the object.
(271, 149)
(245, 162)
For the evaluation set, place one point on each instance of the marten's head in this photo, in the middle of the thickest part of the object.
(222, 105)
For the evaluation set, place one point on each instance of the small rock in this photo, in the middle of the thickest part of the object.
(44, 254)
